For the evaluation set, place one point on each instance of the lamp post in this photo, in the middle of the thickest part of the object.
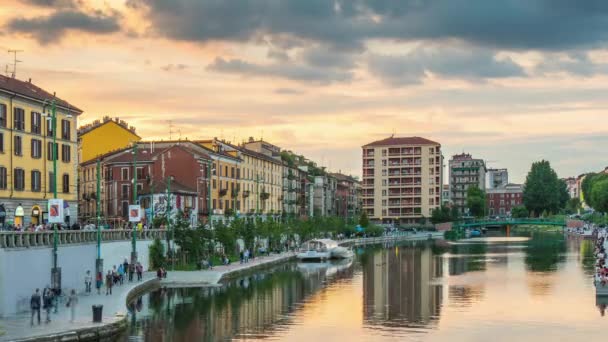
(134, 230)
(168, 211)
(99, 260)
(209, 209)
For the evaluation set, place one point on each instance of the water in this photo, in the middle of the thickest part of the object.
(527, 288)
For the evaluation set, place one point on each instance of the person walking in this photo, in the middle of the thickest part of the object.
(121, 273)
(72, 303)
(87, 282)
(35, 306)
(109, 282)
(131, 271)
(140, 270)
(47, 303)
(159, 273)
(99, 282)
(114, 275)
(125, 266)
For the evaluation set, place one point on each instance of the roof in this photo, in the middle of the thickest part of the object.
(30, 90)
(402, 141)
(124, 155)
(259, 155)
(106, 120)
(176, 187)
(343, 177)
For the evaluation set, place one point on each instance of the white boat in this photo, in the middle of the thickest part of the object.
(340, 252)
(319, 249)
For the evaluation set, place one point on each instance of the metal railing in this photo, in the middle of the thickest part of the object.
(68, 237)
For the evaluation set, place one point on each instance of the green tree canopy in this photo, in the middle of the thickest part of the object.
(573, 205)
(599, 196)
(543, 190)
(364, 220)
(476, 201)
(443, 214)
(519, 211)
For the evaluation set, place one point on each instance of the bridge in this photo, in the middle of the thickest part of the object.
(510, 223)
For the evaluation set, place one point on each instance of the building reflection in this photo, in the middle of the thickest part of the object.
(253, 306)
(398, 288)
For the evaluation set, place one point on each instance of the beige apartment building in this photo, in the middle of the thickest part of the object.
(402, 179)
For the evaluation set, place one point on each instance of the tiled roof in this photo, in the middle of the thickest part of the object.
(260, 155)
(30, 90)
(402, 141)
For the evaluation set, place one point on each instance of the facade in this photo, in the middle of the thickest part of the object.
(402, 179)
(445, 194)
(291, 190)
(175, 172)
(262, 182)
(502, 199)
(96, 140)
(101, 137)
(324, 196)
(347, 196)
(27, 180)
(497, 178)
(465, 171)
(572, 186)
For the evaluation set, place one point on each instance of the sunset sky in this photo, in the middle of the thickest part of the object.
(509, 81)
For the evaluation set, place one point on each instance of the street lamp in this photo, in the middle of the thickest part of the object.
(134, 230)
(52, 115)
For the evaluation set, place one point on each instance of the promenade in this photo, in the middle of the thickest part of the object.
(17, 328)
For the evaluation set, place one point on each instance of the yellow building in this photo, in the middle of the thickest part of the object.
(225, 176)
(261, 178)
(94, 141)
(26, 153)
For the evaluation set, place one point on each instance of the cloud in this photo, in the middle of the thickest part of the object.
(51, 3)
(446, 62)
(288, 91)
(174, 67)
(347, 24)
(281, 70)
(578, 64)
(51, 28)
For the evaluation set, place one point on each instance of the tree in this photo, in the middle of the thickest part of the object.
(476, 201)
(587, 187)
(599, 196)
(441, 215)
(573, 205)
(364, 220)
(519, 211)
(543, 191)
(157, 254)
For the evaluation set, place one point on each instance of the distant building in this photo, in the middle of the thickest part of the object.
(402, 179)
(103, 136)
(497, 178)
(572, 186)
(445, 194)
(347, 196)
(465, 171)
(502, 199)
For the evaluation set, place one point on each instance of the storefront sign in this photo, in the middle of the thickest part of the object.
(19, 211)
(134, 213)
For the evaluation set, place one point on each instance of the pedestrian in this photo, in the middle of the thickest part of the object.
(115, 277)
(47, 302)
(131, 271)
(87, 282)
(109, 282)
(242, 256)
(140, 270)
(125, 265)
(35, 306)
(72, 302)
(159, 273)
(99, 281)
(121, 274)
(246, 255)
(164, 272)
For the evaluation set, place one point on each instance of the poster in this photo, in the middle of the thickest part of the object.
(55, 211)
(134, 213)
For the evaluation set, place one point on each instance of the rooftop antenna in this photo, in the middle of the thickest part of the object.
(180, 133)
(394, 131)
(170, 129)
(6, 70)
(15, 61)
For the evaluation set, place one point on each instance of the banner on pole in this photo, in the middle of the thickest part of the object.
(56, 210)
(134, 213)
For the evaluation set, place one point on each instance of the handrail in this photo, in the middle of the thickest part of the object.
(67, 237)
(519, 221)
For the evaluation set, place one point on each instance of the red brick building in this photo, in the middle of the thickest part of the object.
(501, 200)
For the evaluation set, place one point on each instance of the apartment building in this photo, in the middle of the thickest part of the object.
(402, 178)
(27, 180)
(291, 190)
(347, 196)
(465, 171)
(502, 199)
(497, 178)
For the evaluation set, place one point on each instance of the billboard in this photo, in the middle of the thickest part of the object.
(56, 210)
(134, 213)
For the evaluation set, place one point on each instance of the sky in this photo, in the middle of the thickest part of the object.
(510, 81)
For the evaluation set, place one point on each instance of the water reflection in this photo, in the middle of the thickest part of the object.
(398, 288)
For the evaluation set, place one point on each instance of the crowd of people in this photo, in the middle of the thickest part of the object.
(118, 275)
(601, 267)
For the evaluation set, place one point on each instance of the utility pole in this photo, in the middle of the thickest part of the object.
(99, 261)
(134, 232)
(55, 271)
(257, 203)
(209, 209)
(169, 223)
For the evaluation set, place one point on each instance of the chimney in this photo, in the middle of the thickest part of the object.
(30, 80)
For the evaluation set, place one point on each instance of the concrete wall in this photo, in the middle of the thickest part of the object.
(24, 270)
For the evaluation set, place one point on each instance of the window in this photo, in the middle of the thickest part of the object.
(227, 204)
(214, 204)
(49, 151)
(36, 148)
(65, 129)
(65, 153)
(51, 182)
(17, 146)
(19, 119)
(124, 173)
(36, 181)
(66, 183)
(232, 172)
(3, 182)
(125, 191)
(225, 171)
(431, 191)
(384, 182)
(36, 123)
(383, 192)
(140, 188)
(19, 179)
(214, 184)
(1, 142)
(214, 170)
(49, 127)
(140, 173)
(2, 115)
(431, 201)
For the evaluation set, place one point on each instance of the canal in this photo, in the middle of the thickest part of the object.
(527, 287)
